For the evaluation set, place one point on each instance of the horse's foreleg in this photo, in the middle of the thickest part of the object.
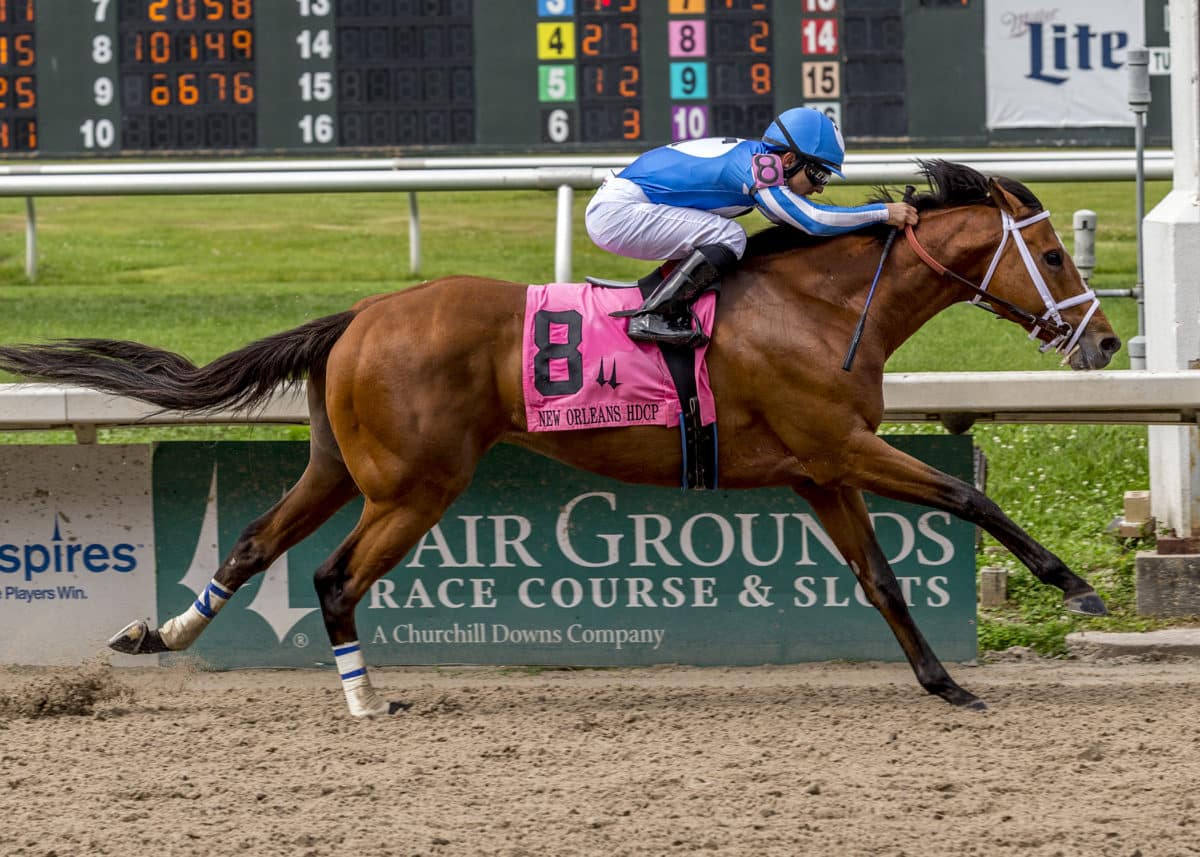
(382, 537)
(844, 516)
(880, 468)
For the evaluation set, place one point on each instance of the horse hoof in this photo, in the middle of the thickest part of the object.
(396, 707)
(976, 704)
(137, 638)
(1088, 604)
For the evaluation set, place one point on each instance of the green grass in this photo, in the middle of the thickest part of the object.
(204, 275)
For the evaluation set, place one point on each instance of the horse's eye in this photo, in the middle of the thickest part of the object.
(1053, 258)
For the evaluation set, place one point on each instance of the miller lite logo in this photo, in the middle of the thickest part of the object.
(1060, 64)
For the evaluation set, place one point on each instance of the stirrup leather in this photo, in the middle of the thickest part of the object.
(678, 289)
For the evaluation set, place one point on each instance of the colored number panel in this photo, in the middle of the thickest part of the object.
(558, 125)
(832, 109)
(556, 41)
(687, 38)
(822, 79)
(819, 36)
(689, 80)
(686, 7)
(555, 8)
(556, 83)
(689, 122)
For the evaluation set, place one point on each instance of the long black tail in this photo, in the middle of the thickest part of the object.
(240, 380)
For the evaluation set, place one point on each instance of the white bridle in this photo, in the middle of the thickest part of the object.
(1066, 341)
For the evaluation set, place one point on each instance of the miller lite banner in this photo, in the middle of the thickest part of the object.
(1060, 64)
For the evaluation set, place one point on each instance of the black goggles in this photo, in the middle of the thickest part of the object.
(817, 175)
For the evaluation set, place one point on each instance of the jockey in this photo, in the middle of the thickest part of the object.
(676, 202)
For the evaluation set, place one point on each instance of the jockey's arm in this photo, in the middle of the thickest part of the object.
(780, 205)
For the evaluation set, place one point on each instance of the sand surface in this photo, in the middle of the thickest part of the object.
(1073, 758)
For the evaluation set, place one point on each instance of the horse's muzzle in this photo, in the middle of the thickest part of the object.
(1094, 352)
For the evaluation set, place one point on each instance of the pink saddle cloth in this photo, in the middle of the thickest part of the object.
(581, 371)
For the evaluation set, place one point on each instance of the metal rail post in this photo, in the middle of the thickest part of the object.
(1139, 102)
(414, 235)
(30, 239)
(562, 234)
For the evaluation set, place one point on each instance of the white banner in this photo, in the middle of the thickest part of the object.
(76, 550)
(1060, 64)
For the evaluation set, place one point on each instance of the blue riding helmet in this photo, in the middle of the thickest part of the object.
(811, 135)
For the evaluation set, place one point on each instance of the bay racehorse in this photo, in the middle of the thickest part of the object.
(407, 391)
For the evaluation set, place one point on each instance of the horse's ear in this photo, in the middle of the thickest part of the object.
(1004, 199)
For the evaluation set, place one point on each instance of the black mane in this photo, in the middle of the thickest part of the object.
(951, 185)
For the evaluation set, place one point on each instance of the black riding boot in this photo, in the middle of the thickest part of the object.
(666, 315)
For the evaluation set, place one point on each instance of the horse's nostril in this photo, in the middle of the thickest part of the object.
(1110, 345)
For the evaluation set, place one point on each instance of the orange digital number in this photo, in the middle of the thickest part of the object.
(160, 92)
(214, 42)
(189, 93)
(632, 123)
(628, 6)
(26, 93)
(760, 78)
(214, 10)
(243, 10)
(628, 86)
(160, 47)
(5, 136)
(599, 87)
(243, 89)
(158, 10)
(243, 41)
(6, 16)
(189, 44)
(632, 29)
(26, 56)
(3, 50)
(758, 40)
(591, 38)
(219, 79)
(185, 10)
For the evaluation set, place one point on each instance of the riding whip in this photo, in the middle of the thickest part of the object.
(909, 190)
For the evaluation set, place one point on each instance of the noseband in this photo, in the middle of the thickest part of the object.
(1061, 336)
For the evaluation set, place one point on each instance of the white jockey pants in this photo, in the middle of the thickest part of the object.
(621, 220)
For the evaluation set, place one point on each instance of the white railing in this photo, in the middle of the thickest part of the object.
(565, 175)
(954, 398)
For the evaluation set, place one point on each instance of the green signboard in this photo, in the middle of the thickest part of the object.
(541, 564)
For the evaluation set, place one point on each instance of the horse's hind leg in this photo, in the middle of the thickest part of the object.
(844, 516)
(323, 488)
(882, 469)
(384, 534)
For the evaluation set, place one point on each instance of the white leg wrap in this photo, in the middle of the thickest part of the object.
(352, 668)
(182, 631)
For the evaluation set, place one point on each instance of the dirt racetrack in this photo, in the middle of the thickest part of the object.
(1072, 759)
